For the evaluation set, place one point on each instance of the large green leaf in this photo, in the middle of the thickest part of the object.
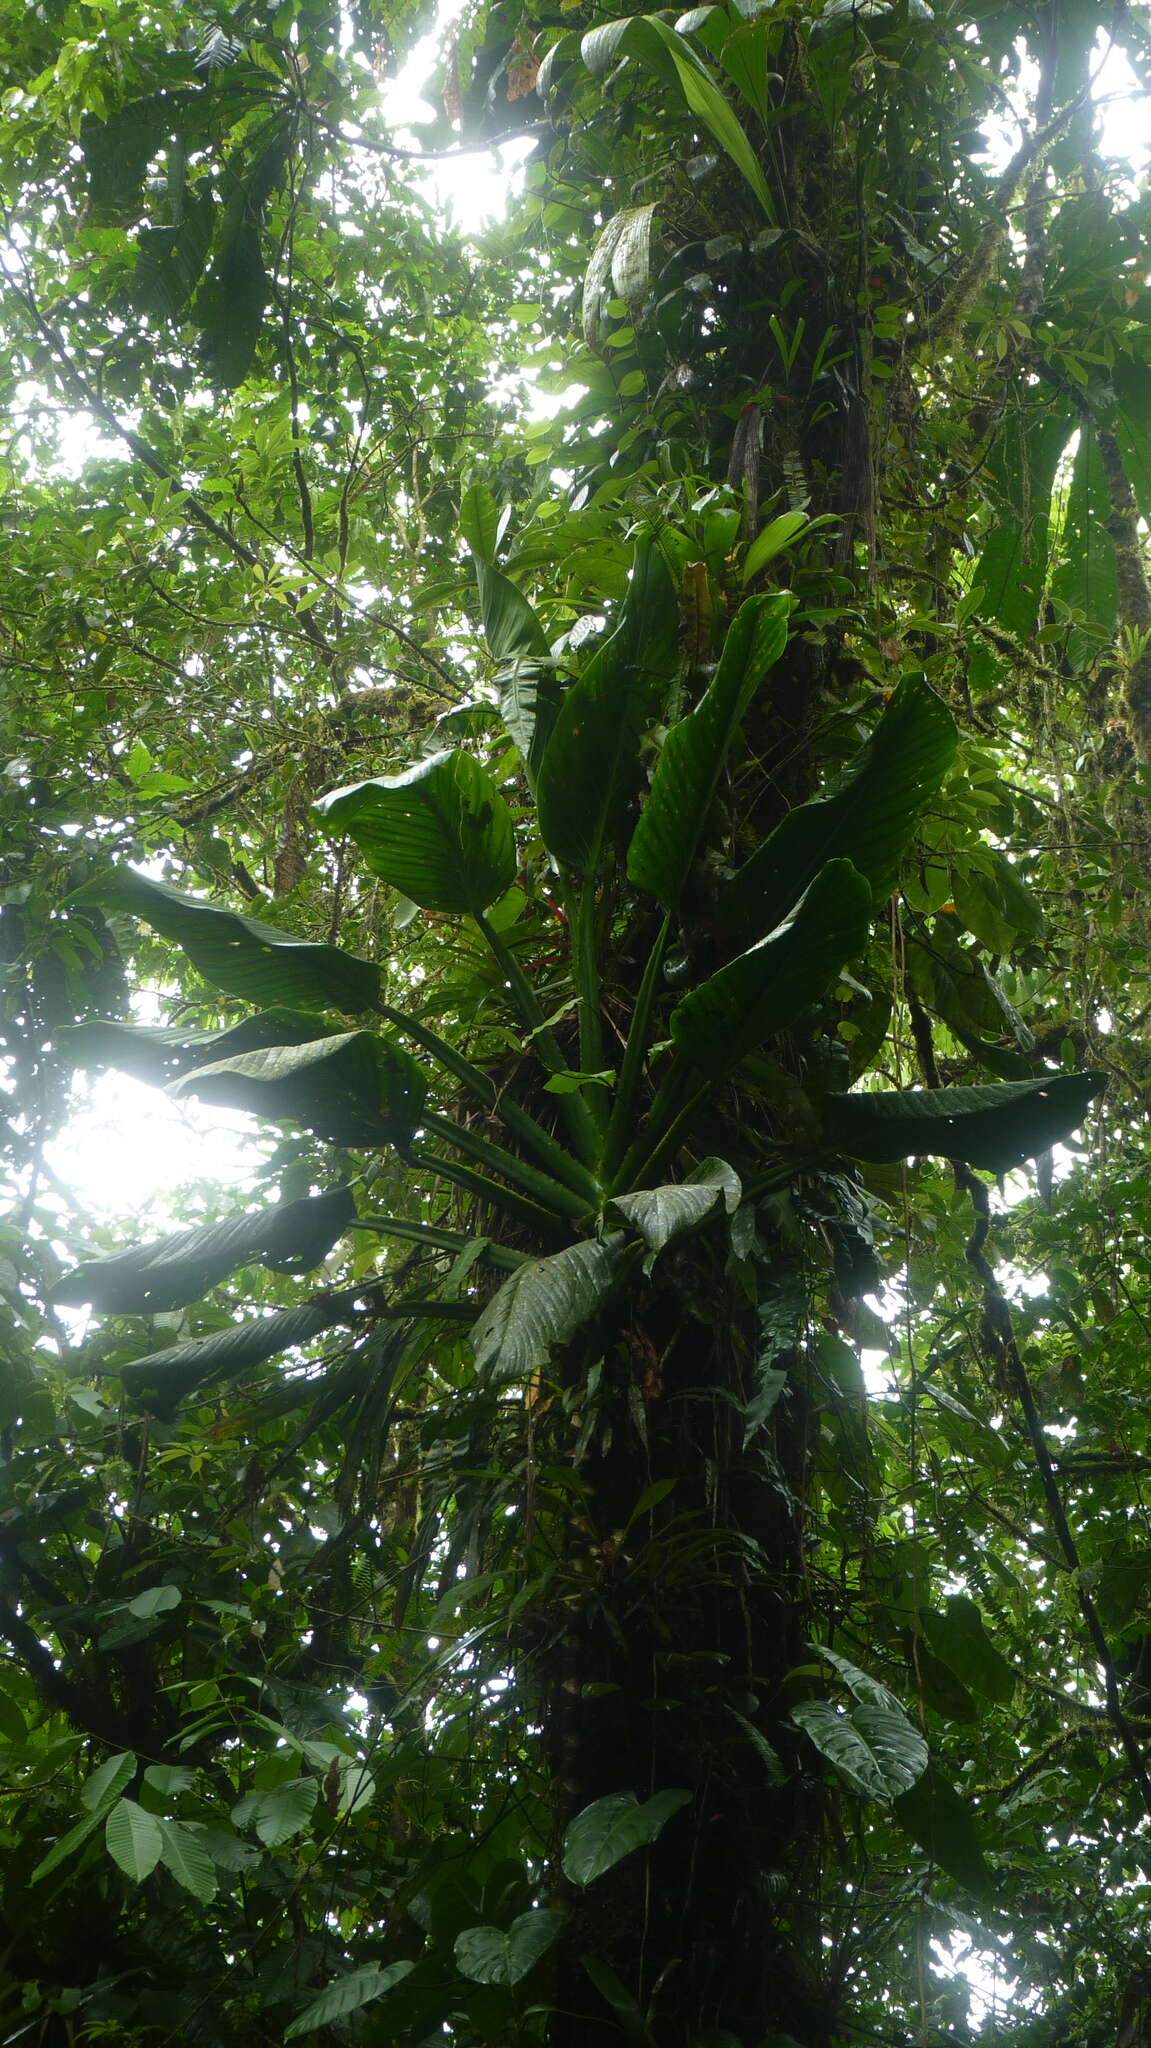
(875, 1749)
(608, 1830)
(184, 1854)
(867, 815)
(664, 842)
(764, 990)
(489, 1955)
(278, 1812)
(134, 1839)
(173, 1271)
(959, 1637)
(1020, 478)
(1086, 579)
(159, 1053)
(670, 56)
(544, 1303)
(661, 1215)
(511, 628)
(590, 771)
(440, 832)
(347, 1994)
(356, 1088)
(237, 953)
(996, 1127)
(943, 1825)
(163, 1378)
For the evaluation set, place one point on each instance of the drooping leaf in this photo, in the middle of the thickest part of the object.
(1013, 567)
(996, 1127)
(177, 1270)
(590, 770)
(941, 1823)
(671, 57)
(491, 1955)
(544, 1303)
(185, 1854)
(867, 815)
(160, 1053)
(237, 953)
(870, 1691)
(480, 519)
(665, 840)
(357, 1088)
(347, 1994)
(661, 1215)
(440, 832)
(511, 628)
(875, 1749)
(134, 1839)
(1086, 579)
(765, 990)
(163, 1378)
(610, 1828)
(619, 267)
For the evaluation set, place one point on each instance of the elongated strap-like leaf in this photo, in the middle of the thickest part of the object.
(173, 1271)
(545, 1303)
(165, 1377)
(159, 1053)
(670, 56)
(440, 832)
(591, 769)
(357, 1088)
(996, 1127)
(237, 953)
(764, 990)
(866, 817)
(664, 842)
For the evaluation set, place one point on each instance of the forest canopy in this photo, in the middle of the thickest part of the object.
(620, 738)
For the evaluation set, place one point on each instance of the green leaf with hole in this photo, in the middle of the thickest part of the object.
(357, 1088)
(867, 815)
(134, 1839)
(996, 1127)
(348, 1994)
(491, 1955)
(590, 772)
(440, 832)
(608, 1830)
(874, 1749)
(664, 843)
(544, 1303)
(239, 954)
(173, 1271)
(765, 990)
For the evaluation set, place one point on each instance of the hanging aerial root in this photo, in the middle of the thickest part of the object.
(1134, 595)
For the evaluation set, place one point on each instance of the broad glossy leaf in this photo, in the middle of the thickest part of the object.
(867, 815)
(154, 1600)
(874, 1749)
(134, 1839)
(608, 1830)
(159, 1053)
(1020, 476)
(664, 842)
(870, 1691)
(511, 628)
(672, 58)
(489, 1955)
(185, 1854)
(942, 1824)
(480, 519)
(347, 1994)
(440, 832)
(107, 1781)
(771, 541)
(163, 1378)
(544, 1303)
(236, 953)
(177, 1270)
(591, 769)
(663, 1214)
(766, 989)
(1086, 579)
(357, 1088)
(278, 1812)
(996, 1127)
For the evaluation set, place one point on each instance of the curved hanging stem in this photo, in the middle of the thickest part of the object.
(573, 1108)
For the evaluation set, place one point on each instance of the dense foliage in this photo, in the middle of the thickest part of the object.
(624, 741)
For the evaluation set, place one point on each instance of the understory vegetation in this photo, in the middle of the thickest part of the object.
(623, 740)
